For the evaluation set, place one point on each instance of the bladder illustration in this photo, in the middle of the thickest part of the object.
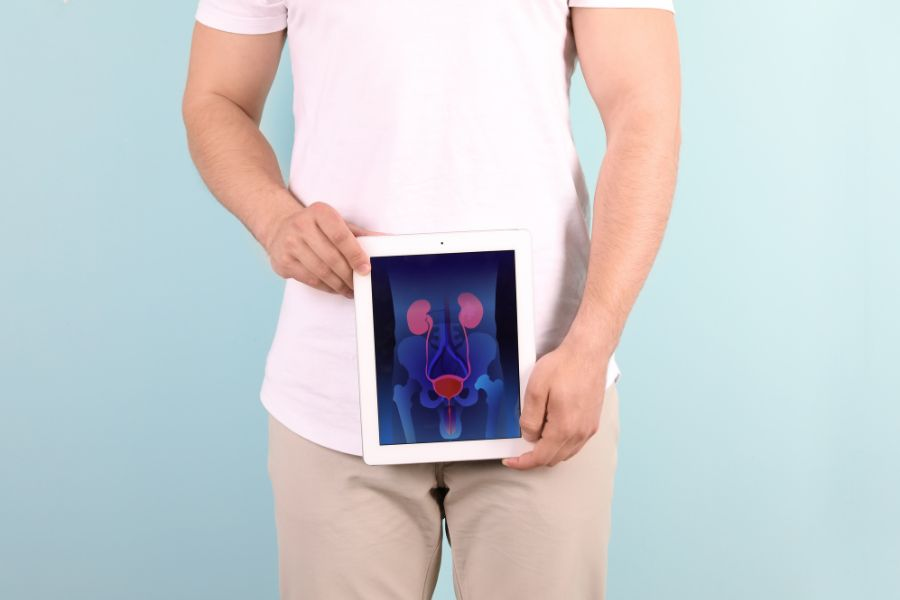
(447, 359)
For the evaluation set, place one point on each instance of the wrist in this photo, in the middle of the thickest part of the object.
(594, 339)
(271, 214)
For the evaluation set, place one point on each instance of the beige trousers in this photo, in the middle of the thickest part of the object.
(349, 530)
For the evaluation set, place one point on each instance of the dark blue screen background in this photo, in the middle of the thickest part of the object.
(483, 357)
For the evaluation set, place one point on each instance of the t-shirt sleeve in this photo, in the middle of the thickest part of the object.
(243, 16)
(663, 4)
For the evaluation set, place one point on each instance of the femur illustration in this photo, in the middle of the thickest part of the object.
(447, 360)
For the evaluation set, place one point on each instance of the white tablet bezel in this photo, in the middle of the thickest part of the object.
(518, 240)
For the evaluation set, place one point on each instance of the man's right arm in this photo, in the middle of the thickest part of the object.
(228, 80)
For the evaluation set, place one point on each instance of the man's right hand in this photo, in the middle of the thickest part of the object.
(229, 77)
(316, 246)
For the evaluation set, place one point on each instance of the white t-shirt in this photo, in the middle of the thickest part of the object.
(416, 117)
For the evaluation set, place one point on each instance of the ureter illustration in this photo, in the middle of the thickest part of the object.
(447, 363)
(445, 328)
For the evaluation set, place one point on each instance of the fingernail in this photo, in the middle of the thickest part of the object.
(506, 462)
(364, 270)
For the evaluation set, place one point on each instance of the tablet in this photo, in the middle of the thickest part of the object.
(445, 336)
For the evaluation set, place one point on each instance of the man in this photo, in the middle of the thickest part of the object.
(442, 116)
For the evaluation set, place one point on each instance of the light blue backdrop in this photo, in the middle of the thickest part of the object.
(761, 427)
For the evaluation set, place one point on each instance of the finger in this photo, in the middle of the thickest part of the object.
(540, 455)
(330, 255)
(578, 447)
(296, 270)
(315, 265)
(534, 408)
(333, 226)
(566, 450)
(573, 444)
(357, 230)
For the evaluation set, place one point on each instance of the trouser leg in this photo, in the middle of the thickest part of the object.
(349, 530)
(535, 534)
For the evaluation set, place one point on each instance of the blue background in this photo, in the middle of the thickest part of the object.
(760, 416)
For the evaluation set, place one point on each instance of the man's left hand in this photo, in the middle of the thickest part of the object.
(562, 405)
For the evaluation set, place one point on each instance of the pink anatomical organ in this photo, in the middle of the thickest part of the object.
(447, 362)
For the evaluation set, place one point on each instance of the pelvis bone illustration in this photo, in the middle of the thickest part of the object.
(447, 364)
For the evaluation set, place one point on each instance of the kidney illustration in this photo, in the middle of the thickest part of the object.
(447, 359)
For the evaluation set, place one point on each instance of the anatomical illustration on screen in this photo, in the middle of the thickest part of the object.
(446, 346)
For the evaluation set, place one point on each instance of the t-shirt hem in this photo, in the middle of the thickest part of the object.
(317, 433)
(219, 19)
(338, 439)
(660, 4)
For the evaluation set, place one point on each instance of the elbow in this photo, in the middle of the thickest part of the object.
(193, 108)
(676, 143)
(189, 108)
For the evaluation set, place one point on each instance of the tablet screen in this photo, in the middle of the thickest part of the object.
(446, 346)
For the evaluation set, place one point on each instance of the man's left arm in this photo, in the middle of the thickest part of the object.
(629, 58)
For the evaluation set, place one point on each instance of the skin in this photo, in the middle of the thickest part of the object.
(629, 58)
(630, 62)
(229, 77)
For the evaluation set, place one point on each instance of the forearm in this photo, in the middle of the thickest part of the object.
(632, 203)
(237, 163)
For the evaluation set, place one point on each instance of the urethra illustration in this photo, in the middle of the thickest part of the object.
(446, 335)
(447, 364)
